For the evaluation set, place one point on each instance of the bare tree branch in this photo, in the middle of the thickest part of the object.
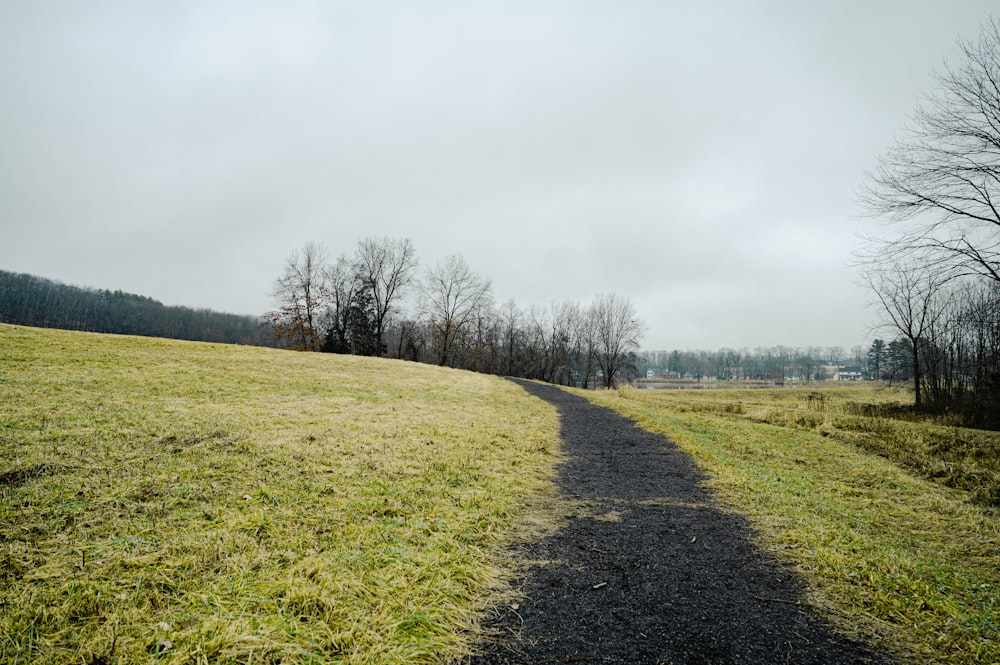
(454, 297)
(940, 184)
(617, 332)
(301, 295)
(386, 267)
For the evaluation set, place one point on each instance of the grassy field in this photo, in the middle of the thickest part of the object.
(177, 502)
(877, 419)
(888, 548)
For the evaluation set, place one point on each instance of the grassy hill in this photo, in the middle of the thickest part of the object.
(189, 502)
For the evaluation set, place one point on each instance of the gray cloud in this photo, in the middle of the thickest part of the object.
(699, 159)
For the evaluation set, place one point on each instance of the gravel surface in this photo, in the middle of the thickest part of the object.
(655, 573)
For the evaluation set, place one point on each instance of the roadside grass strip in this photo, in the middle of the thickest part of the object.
(899, 558)
(177, 502)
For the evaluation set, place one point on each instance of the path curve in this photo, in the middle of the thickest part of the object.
(655, 572)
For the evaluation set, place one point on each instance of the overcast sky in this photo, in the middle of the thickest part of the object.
(701, 158)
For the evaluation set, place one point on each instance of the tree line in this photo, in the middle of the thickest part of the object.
(36, 301)
(948, 340)
(777, 363)
(937, 275)
(375, 302)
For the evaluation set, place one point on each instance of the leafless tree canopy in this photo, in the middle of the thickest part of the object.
(343, 287)
(355, 305)
(385, 266)
(617, 332)
(454, 298)
(940, 188)
(301, 294)
(910, 296)
(342, 306)
(941, 183)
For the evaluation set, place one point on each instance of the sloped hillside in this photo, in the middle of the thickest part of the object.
(190, 502)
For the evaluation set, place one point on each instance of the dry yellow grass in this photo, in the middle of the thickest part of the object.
(180, 502)
(907, 560)
(873, 417)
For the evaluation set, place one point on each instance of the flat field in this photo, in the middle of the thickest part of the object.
(889, 520)
(166, 501)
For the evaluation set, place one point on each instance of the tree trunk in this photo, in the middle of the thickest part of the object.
(916, 374)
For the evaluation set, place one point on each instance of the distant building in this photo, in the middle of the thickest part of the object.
(828, 372)
(839, 373)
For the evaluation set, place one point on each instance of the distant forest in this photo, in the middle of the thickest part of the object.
(36, 301)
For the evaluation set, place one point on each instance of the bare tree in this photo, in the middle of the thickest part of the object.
(406, 336)
(385, 266)
(617, 332)
(858, 356)
(453, 299)
(908, 294)
(301, 294)
(835, 354)
(510, 321)
(586, 347)
(537, 346)
(728, 364)
(808, 361)
(343, 286)
(566, 343)
(941, 183)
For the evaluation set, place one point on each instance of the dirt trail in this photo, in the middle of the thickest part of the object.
(656, 573)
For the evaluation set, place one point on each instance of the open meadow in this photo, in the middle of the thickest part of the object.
(890, 519)
(181, 502)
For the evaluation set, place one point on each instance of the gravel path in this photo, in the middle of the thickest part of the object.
(656, 573)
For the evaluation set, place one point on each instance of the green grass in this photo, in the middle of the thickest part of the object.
(888, 554)
(874, 418)
(177, 502)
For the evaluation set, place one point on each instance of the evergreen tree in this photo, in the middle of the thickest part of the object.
(876, 359)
